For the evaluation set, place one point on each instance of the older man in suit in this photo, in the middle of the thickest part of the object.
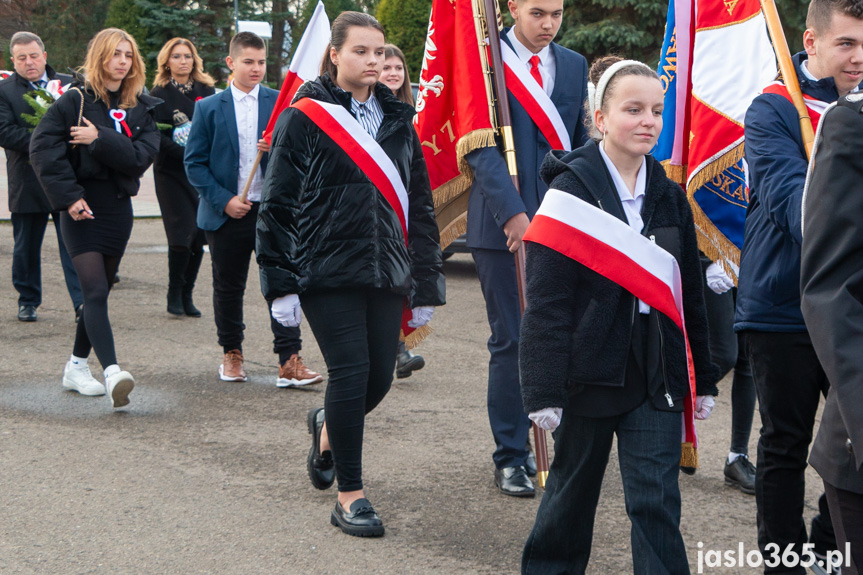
(832, 303)
(27, 201)
(219, 158)
(498, 216)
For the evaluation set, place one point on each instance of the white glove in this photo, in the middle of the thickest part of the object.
(717, 280)
(547, 418)
(703, 406)
(421, 316)
(286, 310)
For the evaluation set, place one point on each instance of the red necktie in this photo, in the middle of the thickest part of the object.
(534, 69)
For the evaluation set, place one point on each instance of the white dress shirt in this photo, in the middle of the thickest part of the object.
(632, 202)
(547, 69)
(246, 112)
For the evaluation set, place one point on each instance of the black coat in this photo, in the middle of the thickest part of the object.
(64, 171)
(178, 199)
(25, 193)
(577, 327)
(324, 225)
(832, 290)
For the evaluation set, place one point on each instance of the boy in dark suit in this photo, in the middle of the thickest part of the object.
(498, 216)
(220, 153)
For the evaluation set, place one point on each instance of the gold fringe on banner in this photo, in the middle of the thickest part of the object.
(714, 244)
(450, 190)
(416, 336)
(688, 455)
(453, 230)
(675, 173)
(716, 167)
(482, 138)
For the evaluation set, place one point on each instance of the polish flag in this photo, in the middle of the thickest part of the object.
(305, 65)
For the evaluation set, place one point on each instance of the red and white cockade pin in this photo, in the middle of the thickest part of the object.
(119, 117)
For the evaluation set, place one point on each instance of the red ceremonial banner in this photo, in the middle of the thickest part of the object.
(453, 111)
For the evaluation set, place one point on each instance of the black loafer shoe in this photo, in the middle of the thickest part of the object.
(361, 521)
(27, 313)
(687, 470)
(322, 469)
(514, 481)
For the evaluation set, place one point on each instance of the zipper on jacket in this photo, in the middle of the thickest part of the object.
(662, 352)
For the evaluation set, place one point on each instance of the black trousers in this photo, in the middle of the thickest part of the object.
(358, 333)
(846, 508)
(789, 381)
(231, 248)
(28, 231)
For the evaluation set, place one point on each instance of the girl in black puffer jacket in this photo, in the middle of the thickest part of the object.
(595, 362)
(328, 237)
(89, 152)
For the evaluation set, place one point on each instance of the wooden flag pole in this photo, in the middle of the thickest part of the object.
(255, 165)
(486, 12)
(789, 75)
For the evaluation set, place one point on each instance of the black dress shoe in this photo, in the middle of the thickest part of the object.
(27, 313)
(514, 481)
(322, 469)
(361, 521)
(741, 474)
(406, 362)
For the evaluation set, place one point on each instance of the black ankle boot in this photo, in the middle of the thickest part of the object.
(177, 263)
(190, 277)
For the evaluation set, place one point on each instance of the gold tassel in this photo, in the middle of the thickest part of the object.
(453, 230)
(450, 190)
(713, 242)
(482, 138)
(688, 455)
(416, 336)
(675, 173)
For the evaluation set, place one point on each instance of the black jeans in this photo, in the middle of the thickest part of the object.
(648, 448)
(728, 352)
(789, 381)
(231, 248)
(846, 509)
(28, 231)
(358, 333)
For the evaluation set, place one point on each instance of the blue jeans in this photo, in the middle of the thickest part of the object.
(648, 445)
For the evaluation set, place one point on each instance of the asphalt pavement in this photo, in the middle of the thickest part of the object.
(202, 476)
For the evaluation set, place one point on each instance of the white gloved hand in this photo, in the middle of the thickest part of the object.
(547, 418)
(703, 406)
(286, 310)
(717, 280)
(421, 316)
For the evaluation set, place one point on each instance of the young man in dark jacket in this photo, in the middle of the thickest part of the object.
(225, 138)
(498, 215)
(787, 373)
(27, 201)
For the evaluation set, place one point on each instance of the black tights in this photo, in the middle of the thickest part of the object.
(96, 273)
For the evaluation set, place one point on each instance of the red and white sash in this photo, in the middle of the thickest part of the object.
(366, 153)
(816, 107)
(611, 248)
(534, 100)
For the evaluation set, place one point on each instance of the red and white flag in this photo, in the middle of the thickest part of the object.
(611, 248)
(305, 65)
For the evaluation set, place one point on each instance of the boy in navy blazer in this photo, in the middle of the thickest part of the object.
(224, 140)
(498, 216)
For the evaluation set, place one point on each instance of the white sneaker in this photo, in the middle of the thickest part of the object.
(78, 378)
(119, 387)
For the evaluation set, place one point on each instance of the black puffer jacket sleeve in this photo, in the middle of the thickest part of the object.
(284, 186)
(427, 275)
(49, 152)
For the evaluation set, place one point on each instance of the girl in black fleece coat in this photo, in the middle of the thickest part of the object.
(596, 362)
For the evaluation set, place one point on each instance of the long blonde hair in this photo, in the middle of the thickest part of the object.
(100, 50)
(163, 74)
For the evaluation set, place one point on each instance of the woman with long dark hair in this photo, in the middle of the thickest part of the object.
(89, 152)
(180, 82)
(346, 226)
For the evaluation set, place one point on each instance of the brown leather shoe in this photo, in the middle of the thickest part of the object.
(294, 373)
(232, 367)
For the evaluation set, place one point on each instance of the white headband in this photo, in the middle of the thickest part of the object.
(596, 93)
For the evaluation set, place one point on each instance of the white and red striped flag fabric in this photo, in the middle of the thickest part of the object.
(611, 248)
(305, 65)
